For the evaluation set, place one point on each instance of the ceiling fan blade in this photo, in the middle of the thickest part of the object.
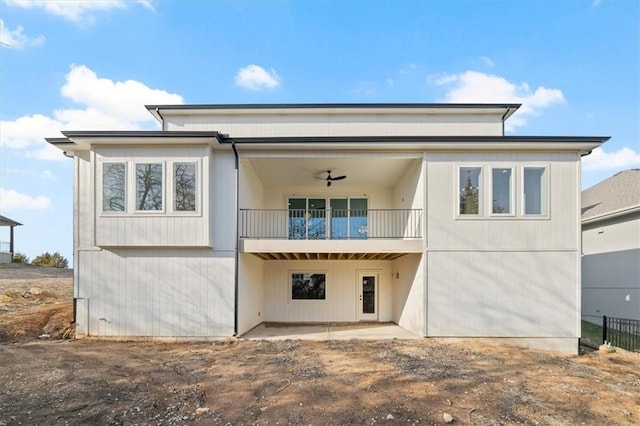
(339, 177)
(328, 183)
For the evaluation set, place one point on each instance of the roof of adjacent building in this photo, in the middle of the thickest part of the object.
(616, 195)
(5, 221)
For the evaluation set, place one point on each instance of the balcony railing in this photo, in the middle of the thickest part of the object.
(334, 224)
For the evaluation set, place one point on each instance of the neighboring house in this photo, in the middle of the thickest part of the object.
(226, 218)
(611, 248)
(7, 247)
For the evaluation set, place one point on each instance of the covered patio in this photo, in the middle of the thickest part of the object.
(7, 247)
(329, 331)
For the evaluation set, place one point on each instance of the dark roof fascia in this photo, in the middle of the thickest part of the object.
(332, 105)
(138, 134)
(415, 139)
(58, 141)
(5, 221)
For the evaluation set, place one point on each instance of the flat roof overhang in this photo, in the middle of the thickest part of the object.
(83, 140)
(504, 110)
(371, 249)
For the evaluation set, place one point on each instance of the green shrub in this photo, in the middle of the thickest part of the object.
(20, 258)
(55, 260)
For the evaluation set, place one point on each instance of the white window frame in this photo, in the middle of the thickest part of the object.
(100, 185)
(546, 191)
(512, 194)
(171, 182)
(134, 181)
(481, 191)
(309, 272)
(517, 200)
(168, 186)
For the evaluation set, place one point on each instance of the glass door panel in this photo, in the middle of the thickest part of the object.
(339, 218)
(358, 222)
(317, 221)
(368, 295)
(297, 218)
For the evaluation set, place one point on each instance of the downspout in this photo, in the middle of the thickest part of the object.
(504, 118)
(236, 267)
(161, 117)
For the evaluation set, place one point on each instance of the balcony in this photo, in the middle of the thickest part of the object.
(330, 234)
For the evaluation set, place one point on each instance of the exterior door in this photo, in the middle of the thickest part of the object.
(367, 296)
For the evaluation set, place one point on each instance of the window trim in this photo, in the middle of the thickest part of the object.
(546, 197)
(485, 180)
(100, 185)
(512, 194)
(307, 272)
(168, 185)
(481, 185)
(163, 189)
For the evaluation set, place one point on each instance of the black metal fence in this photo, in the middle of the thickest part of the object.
(621, 332)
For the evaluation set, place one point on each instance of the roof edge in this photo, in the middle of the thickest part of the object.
(611, 215)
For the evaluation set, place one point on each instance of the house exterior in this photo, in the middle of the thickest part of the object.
(7, 247)
(611, 248)
(233, 215)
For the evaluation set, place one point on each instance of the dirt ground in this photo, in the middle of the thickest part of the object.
(58, 381)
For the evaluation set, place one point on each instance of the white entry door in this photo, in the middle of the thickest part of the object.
(367, 291)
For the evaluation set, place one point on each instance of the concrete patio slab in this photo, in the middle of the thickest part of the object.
(320, 332)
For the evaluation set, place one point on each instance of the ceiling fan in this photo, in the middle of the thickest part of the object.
(329, 178)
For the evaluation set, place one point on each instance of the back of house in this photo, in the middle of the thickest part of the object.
(425, 215)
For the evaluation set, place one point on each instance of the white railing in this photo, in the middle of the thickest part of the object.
(334, 224)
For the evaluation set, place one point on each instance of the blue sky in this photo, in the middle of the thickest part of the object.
(82, 65)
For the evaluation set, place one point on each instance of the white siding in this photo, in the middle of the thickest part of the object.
(275, 125)
(502, 294)
(155, 292)
(251, 308)
(611, 269)
(503, 277)
(409, 309)
(341, 304)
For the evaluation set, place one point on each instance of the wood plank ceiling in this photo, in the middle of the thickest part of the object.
(328, 256)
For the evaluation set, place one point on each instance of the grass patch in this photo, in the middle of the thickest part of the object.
(591, 332)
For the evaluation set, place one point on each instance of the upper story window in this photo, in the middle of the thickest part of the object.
(149, 186)
(113, 187)
(534, 194)
(469, 185)
(501, 190)
(500, 198)
(184, 187)
(170, 187)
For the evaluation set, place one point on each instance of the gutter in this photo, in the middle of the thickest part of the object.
(611, 215)
(236, 254)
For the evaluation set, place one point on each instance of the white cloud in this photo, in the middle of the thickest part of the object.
(487, 61)
(47, 175)
(16, 38)
(599, 159)
(78, 11)
(474, 86)
(106, 105)
(254, 77)
(13, 200)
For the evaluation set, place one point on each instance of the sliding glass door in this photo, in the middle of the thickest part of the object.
(346, 218)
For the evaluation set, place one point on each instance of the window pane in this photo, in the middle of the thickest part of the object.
(501, 181)
(470, 190)
(297, 218)
(184, 176)
(535, 190)
(149, 186)
(358, 223)
(308, 286)
(113, 179)
(339, 218)
(317, 225)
